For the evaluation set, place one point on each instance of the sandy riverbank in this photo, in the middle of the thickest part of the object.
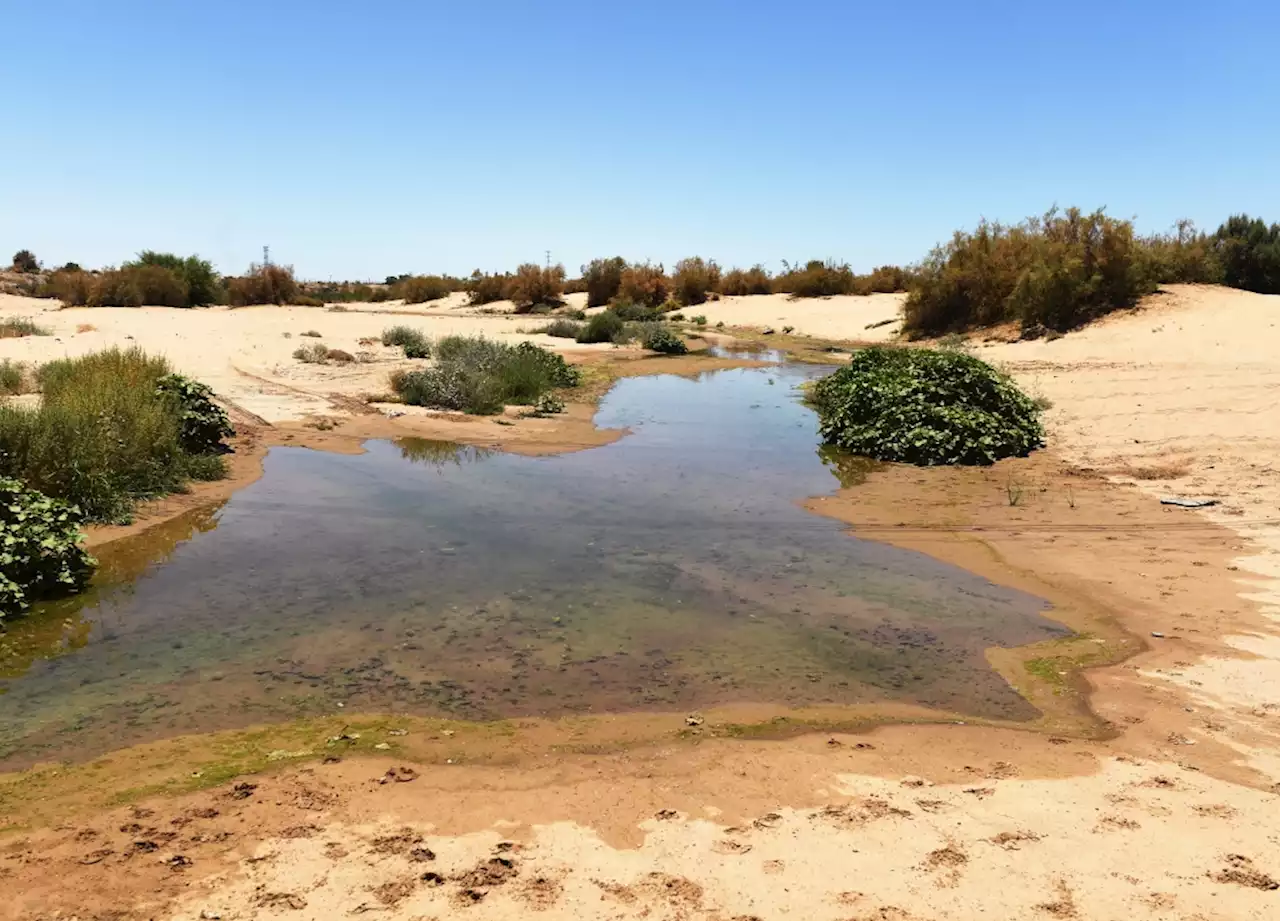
(1171, 818)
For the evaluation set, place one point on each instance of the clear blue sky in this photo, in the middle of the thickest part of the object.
(361, 139)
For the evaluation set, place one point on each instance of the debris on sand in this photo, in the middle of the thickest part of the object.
(399, 775)
(1241, 871)
(492, 872)
(242, 790)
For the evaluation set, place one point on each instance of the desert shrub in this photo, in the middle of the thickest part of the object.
(926, 407)
(1055, 272)
(1183, 255)
(25, 261)
(635, 313)
(103, 437)
(694, 279)
(575, 286)
(380, 294)
(414, 343)
(562, 329)
(71, 286)
(884, 279)
(340, 356)
(658, 337)
(114, 288)
(536, 286)
(700, 320)
(158, 286)
(603, 278)
(20, 327)
(314, 354)
(1249, 253)
(13, 377)
(421, 289)
(306, 300)
(71, 267)
(643, 284)
(739, 282)
(574, 313)
(481, 376)
(264, 284)
(202, 423)
(815, 279)
(602, 327)
(202, 285)
(42, 556)
(483, 288)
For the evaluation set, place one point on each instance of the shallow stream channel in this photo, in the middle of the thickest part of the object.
(669, 571)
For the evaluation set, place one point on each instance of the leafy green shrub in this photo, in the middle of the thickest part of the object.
(13, 378)
(642, 284)
(602, 327)
(201, 284)
(694, 279)
(19, 327)
(926, 407)
(481, 376)
(635, 313)
(1249, 252)
(25, 261)
(315, 354)
(1056, 272)
(202, 423)
(535, 286)
(562, 329)
(264, 284)
(755, 280)
(421, 289)
(603, 278)
(40, 552)
(414, 343)
(658, 337)
(103, 437)
(816, 279)
(483, 288)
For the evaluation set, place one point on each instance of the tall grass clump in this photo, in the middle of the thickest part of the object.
(13, 378)
(481, 376)
(1249, 253)
(42, 557)
(264, 284)
(421, 289)
(740, 282)
(644, 284)
(414, 343)
(1055, 272)
(926, 407)
(602, 279)
(106, 434)
(535, 286)
(483, 288)
(694, 279)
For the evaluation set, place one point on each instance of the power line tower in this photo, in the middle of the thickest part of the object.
(548, 258)
(266, 255)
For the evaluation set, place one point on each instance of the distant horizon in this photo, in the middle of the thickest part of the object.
(363, 143)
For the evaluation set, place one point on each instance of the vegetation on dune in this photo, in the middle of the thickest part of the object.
(561, 329)
(40, 552)
(421, 289)
(926, 407)
(414, 343)
(658, 337)
(314, 354)
(201, 285)
(20, 327)
(264, 284)
(605, 326)
(481, 376)
(112, 428)
(1248, 252)
(534, 286)
(602, 278)
(483, 288)
(25, 261)
(13, 377)
(644, 284)
(815, 279)
(694, 279)
(740, 282)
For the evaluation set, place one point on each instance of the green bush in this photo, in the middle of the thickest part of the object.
(694, 279)
(104, 435)
(816, 279)
(1056, 272)
(562, 329)
(483, 288)
(534, 286)
(1249, 253)
(201, 284)
(925, 407)
(755, 280)
(202, 423)
(381, 294)
(414, 343)
(1183, 255)
(602, 327)
(421, 289)
(603, 278)
(481, 376)
(700, 320)
(658, 337)
(13, 377)
(40, 552)
(264, 284)
(20, 327)
(642, 284)
(25, 261)
(635, 313)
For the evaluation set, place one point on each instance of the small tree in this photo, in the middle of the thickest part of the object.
(25, 261)
(694, 279)
(643, 284)
(603, 278)
(535, 286)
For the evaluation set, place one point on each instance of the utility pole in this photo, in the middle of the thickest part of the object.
(548, 258)
(266, 255)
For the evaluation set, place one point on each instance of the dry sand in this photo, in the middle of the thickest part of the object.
(1175, 817)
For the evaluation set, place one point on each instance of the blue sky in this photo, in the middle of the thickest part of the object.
(365, 139)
